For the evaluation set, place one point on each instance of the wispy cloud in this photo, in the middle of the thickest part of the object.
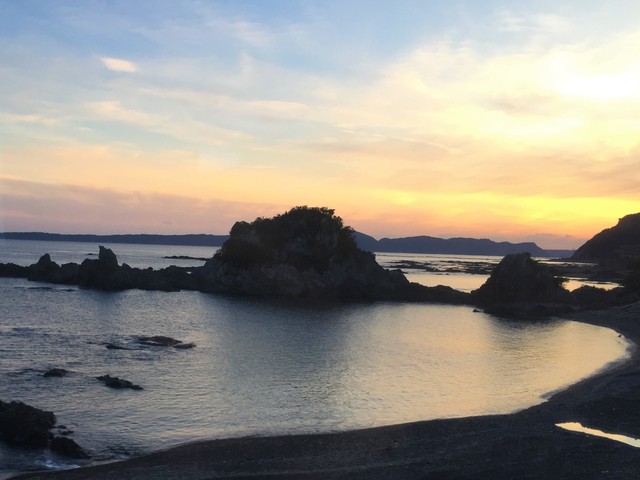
(113, 110)
(64, 207)
(512, 22)
(27, 118)
(119, 65)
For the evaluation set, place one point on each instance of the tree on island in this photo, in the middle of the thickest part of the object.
(304, 237)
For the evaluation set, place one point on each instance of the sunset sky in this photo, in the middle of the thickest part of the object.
(509, 120)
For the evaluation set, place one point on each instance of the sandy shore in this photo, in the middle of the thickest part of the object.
(524, 445)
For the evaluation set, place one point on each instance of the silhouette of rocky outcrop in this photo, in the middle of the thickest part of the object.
(305, 252)
(618, 242)
(49, 271)
(22, 425)
(519, 284)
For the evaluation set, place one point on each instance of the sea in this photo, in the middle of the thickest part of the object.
(267, 366)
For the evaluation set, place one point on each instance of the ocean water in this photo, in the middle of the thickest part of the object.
(262, 367)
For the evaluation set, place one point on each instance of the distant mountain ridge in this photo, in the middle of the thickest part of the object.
(196, 240)
(452, 246)
(418, 244)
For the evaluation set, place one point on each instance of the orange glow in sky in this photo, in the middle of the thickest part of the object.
(500, 120)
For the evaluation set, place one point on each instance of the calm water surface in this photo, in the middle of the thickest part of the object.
(264, 367)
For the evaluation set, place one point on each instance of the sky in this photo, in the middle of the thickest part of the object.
(509, 120)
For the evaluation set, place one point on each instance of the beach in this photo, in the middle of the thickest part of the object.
(526, 444)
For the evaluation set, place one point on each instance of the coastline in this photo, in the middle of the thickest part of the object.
(525, 444)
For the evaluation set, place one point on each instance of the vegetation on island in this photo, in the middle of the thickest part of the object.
(304, 237)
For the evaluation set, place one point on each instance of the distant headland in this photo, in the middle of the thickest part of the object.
(416, 244)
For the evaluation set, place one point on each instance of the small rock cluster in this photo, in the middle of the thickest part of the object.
(24, 426)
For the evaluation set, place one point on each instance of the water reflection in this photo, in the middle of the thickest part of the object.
(276, 367)
(578, 427)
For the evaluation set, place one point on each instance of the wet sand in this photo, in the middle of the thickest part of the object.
(523, 445)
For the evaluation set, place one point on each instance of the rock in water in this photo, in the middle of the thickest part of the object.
(305, 252)
(115, 382)
(55, 372)
(159, 341)
(107, 258)
(46, 270)
(520, 281)
(101, 273)
(67, 447)
(162, 341)
(22, 425)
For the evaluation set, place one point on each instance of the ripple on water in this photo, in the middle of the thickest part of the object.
(264, 367)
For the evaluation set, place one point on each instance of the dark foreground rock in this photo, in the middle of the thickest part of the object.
(115, 382)
(521, 286)
(25, 426)
(55, 372)
(67, 448)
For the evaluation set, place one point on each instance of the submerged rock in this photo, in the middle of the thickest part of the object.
(162, 341)
(115, 382)
(112, 346)
(159, 341)
(55, 372)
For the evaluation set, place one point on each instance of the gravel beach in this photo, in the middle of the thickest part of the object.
(524, 445)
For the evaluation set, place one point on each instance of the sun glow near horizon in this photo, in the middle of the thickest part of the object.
(506, 121)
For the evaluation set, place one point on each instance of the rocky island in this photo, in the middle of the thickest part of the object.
(306, 252)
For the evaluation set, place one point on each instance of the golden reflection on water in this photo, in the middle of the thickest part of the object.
(431, 363)
(578, 427)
